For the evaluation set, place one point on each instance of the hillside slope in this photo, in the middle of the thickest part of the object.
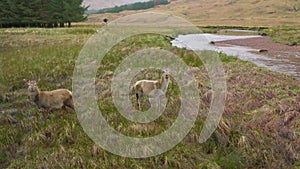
(230, 12)
(100, 4)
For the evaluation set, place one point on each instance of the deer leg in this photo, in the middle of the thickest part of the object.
(138, 100)
(158, 103)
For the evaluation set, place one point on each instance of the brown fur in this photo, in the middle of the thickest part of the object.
(144, 87)
(49, 100)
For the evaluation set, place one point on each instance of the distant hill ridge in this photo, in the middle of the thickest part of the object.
(101, 4)
(132, 6)
(227, 12)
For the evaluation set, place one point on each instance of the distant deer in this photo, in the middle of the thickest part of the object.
(50, 100)
(151, 88)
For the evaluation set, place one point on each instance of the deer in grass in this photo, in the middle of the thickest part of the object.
(49, 100)
(151, 88)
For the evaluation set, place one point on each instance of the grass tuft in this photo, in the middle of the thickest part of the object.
(258, 129)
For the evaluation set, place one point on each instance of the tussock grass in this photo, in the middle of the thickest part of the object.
(259, 128)
(289, 35)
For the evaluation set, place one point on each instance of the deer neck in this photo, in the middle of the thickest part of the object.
(36, 98)
(35, 95)
(37, 91)
(164, 84)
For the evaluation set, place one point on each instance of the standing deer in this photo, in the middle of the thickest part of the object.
(151, 88)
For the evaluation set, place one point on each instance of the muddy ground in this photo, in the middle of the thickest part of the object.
(289, 55)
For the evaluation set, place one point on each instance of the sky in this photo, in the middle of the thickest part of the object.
(99, 4)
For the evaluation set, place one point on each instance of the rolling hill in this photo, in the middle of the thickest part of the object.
(229, 12)
(100, 4)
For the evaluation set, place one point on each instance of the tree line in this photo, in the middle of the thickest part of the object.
(40, 13)
(134, 6)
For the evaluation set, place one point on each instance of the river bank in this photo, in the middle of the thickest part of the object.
(259, 128)
(260, 50)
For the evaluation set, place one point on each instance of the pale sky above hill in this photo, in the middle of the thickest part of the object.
(99, 4)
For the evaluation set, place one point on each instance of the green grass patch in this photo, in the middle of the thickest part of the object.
(28, 139)
(289, 35)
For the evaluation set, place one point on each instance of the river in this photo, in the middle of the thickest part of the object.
(287, 62)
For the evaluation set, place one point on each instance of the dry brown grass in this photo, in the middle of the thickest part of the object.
(226, 12)
(259, 129)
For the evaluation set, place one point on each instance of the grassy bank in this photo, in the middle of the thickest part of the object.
(285, 34)
(289, 35)
(260, 127)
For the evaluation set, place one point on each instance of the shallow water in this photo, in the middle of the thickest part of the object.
(288, 62)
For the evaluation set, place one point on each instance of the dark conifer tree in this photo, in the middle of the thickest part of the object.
(40, 13)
